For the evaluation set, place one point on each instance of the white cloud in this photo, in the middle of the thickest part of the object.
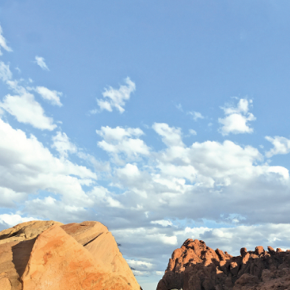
(170, 136)
(23, 106)
(281, 145)
(222, 177)
(233, 238)
(26, 110)
(5, 73)
(196, 115)
(27, 166)
(159, 273)
(149, 235)
(163, 223)
(139, 265)
(9, 197)
(130, 171)
(192, 132)
(113, 98)
(3, 43)
(118, 133)
(64, 210)
(52, 96)
(62, 144)
(11, 220)
(104, 197)
(280, 170)
(236, 119)
(40, 61)
(121, 141)
(99, 166)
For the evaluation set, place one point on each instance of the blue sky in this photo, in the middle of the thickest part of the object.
(164, 120)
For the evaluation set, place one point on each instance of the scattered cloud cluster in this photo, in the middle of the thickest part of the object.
(151, 199)
(22, 104)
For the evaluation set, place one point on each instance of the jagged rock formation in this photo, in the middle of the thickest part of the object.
(195, 266)
(42, 255)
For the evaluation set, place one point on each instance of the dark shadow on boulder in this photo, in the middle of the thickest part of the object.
(21, 254)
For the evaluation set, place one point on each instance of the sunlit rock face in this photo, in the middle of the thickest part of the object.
(195, 266)
(42, 255)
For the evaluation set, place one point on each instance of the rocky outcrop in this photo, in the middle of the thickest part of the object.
(42, 255)
(195, 266)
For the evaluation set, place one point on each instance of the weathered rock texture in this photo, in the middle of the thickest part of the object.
(42, 255)
(195, 266)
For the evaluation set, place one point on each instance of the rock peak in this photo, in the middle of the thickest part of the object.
(195, 266)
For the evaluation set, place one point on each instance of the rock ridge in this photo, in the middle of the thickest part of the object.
(195, 266)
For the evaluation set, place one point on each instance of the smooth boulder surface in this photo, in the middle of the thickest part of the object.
(103, 248)
(42, 255)
(195, 266)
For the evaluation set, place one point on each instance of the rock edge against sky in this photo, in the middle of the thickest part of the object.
(195, 266)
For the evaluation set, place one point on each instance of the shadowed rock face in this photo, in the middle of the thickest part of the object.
(195, 266)
(42, 255)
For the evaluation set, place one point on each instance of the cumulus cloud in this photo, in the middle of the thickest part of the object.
(281, 145)
(123, 141)
(11, 220)
(231, 239)
(52, 96)
(236, 118)
(63, 145)
(183, 180)
(23, 105)
(41, 62)
(9, 198)
(3, 43)
(26, 110)
(26, 166)
(170, 136)
(115, 98)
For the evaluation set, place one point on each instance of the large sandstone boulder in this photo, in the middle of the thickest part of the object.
(195, 266)
(42, 255)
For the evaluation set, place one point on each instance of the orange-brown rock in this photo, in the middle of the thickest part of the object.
(25, 231)
(195, 266)
(103, 248)
(15, 246)
(43, 255)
